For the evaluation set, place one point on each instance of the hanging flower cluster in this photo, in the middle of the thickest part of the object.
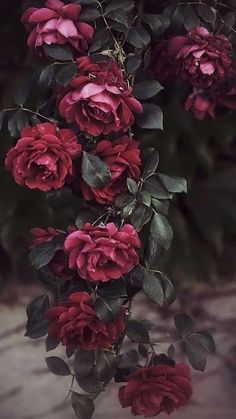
(95, 264)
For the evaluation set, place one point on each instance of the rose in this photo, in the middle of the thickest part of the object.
(152, 390)
(122, 157)
(103, 253)
(98, 99)
(42, 158)
(74, 323)
(201, 58)
(57, 24)
(58, 264)
(200, 105)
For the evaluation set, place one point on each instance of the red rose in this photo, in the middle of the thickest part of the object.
(98, 99)
(103, 253)
(200, 105)
(42, 158)
(152, 390)
(75, 323)
(57, 23)
(58, 264)
(122, 157)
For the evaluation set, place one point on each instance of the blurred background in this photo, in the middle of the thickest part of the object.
(201, 261)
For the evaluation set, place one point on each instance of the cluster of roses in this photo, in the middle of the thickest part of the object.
(98, 102)
(204, 61)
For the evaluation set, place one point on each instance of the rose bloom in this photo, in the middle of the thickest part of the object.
(201, 106)
(123, 158)
(58, 264)
(57, 24)
(201, 58)
(42, 158)
(103, 253)
(152, 390)
(75, 323)
(98, 99)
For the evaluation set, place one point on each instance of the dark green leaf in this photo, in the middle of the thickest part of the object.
(196, 355)
(147, 89)
(152, 288)
(128, 209)
(59, 52)
(90, 383)
(119, 16)
(150, 161)
(141, 216)
(41, 255)
(173, 184)
(90, 13)
(57, 366)
(161, 229)
(157, 23)
(138, 37)
(113, 289)
(65, 75)
(171, 352)
(102, 40)
(125, 5)
(132, 186)
(47, 76)
(145, 198)
(84, 363)
(123, 199)
(151, 118)
(51, 343)
(85, 216)
(106, 363)
(168, 288)
(160, 206)
(95, 172)
(143, 350)
(37, 326)
(155, 188)
(136, 331)
(83, 406)
(191, 19)
(208, 14)
(132, 63)
(206, 340)
(21, 92)
(107, 310)
(128, 359)
(184, 324)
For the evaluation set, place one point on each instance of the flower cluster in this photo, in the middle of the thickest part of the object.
(205, 62)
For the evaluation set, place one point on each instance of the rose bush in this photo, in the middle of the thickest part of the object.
(152, 390)
(98, 99)
(74, 323)
(103, 253)
(43, 157)
(123, 158)
(57, 24)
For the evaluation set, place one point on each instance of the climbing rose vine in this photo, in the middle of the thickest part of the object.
(80, 127)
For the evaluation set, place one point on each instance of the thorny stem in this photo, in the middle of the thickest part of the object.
(21, 108)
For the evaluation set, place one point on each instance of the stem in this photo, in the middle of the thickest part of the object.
(21, 108)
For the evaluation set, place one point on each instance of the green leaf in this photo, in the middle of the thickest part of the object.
(155, 188)
(208, 14)
(85, 216)
(129, 208)
(152, 288)
(90, 13)
(119, 16)
(132, 63)
(128, 359)
(143, 350)
(184, 324)
(145, 198)
(206, 340)
(95, 172)
(107, 310)
(84, 363)
(125, 5)
(136, 331)
(47, 76)
(41, 255)
(102, 40)
(168, 288)
(37, 325)
(173, 184)
(105, 364)
(123, 199)
(65, 75)
(51, 343)
(113, 289)
(21, 92)
(57, 366)
(150, 161)
(147, 89)
(141, 216)
(59, 52)
(151, 118)
(138, 37)
(83, 406)
(157, 23)
(132, 186)
(171, 352)
(161, 229)
(196, 355)
(160, 206)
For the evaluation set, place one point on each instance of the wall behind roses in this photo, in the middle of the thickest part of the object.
(204, 221)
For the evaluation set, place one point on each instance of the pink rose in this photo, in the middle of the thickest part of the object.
(152, 390)
(201, 106)
(57, 24)
(42, 158)
(98, 99)
(123, 158)
(75, 323)
(103, 253)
